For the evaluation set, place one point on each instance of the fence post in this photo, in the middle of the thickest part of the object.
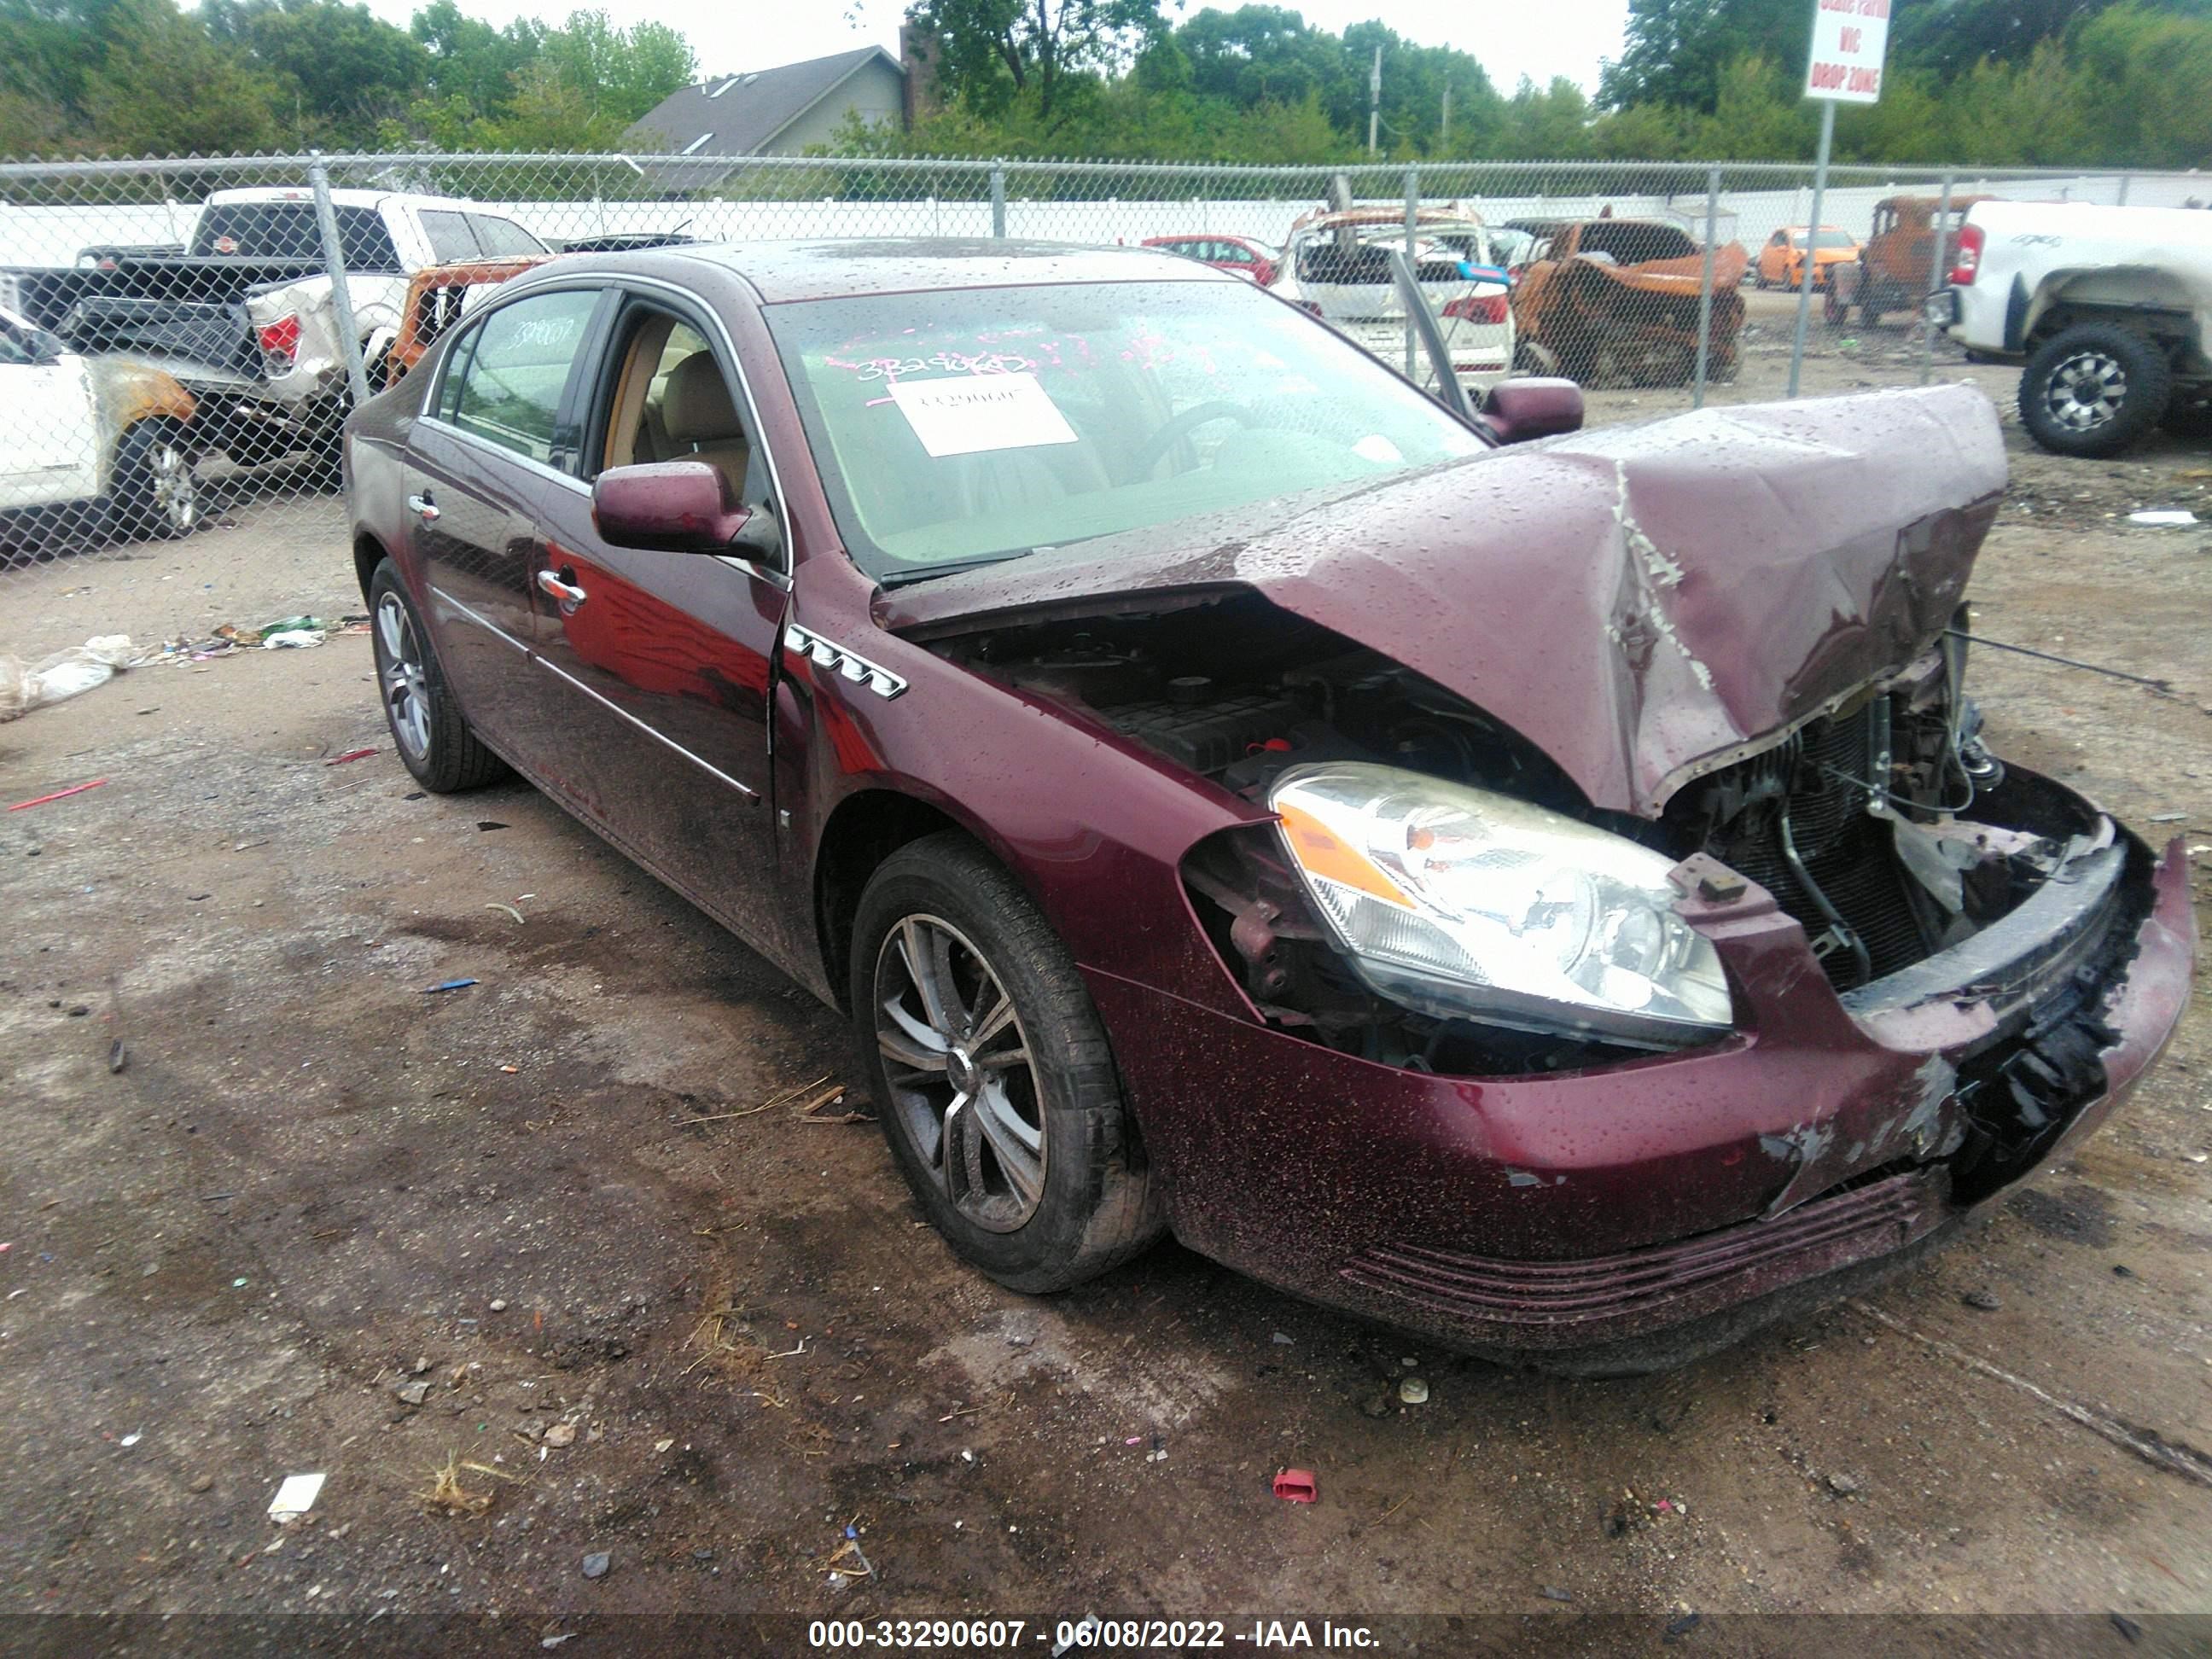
(1705, 288)
(1412, 221)
(1812, 239)
(326, 221)
(1942, 257)
(999, 199)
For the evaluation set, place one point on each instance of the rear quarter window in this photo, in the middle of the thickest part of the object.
(502, 238)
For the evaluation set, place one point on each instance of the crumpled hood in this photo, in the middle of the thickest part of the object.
(1642, 603)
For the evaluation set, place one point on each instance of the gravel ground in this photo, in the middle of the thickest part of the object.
(319, 1221)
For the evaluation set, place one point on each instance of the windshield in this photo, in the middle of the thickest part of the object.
(956, 428)
(1825, 239)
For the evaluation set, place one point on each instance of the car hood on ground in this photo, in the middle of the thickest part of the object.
(1642, 603)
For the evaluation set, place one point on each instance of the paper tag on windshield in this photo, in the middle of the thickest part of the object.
(981, 411)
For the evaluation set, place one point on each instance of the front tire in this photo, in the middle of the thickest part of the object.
(435, 742)
(156, 493)
(2091, 390)
(992, 1077)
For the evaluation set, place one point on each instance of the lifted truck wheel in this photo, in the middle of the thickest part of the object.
(2093, 389)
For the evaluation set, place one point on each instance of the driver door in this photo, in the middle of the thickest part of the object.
(660, 663)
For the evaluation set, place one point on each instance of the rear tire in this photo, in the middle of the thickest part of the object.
(992, 1076)
(433, 740)
(156, 493)
(2091, 390)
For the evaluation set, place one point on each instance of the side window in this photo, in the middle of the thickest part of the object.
(503, 239)
(669, 400)
(449, 236)
(509, 390)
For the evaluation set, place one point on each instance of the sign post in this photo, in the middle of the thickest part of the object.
(1851, 38)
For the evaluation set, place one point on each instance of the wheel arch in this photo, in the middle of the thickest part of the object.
(2144, 298)
(367, 554)
(864, 829)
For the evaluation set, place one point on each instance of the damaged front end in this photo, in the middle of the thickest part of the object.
(1634, 932)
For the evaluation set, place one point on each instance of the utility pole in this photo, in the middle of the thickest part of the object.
(1375, 102)
(1443, 128)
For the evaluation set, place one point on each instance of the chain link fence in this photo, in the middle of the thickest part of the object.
(180, 339)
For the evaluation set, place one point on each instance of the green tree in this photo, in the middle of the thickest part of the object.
(1676, 50)
(471, 66)
(165, 87)
(1548, 123)
(340, 71)
(991, 52)
(619, 74)
(2143, 84)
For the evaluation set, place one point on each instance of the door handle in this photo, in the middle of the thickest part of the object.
(422, 506)
(566, 593)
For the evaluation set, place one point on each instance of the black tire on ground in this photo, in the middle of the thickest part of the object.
(156, 492)
(2093, 389)
(1095, 1202)
(435, 742)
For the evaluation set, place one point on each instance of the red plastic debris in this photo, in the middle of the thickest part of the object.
(58, 795)
(1297, 1486)
(353, 755)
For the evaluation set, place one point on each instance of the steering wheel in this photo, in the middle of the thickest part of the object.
(1179, 427)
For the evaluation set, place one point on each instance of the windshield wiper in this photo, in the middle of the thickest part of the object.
(953, 568)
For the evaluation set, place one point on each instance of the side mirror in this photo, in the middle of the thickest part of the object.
(1518, 411)
(681, 506)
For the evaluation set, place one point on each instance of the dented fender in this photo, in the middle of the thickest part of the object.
(125, 393)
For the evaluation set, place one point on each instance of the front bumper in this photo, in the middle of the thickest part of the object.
(1658, 1207)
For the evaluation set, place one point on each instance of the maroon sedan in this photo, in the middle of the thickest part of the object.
(1552, 896)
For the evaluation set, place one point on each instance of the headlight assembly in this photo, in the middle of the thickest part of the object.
(1461, 903)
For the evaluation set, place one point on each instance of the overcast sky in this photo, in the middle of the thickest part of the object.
(1510, 39)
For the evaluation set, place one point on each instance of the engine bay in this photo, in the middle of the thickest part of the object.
(1856, 821)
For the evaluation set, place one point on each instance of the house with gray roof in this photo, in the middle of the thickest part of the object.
(705, 130)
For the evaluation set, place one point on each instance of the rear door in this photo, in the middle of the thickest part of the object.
(660, 664)
(481, 470)
(49, 442)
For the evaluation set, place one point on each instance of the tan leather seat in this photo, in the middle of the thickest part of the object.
(700, 420)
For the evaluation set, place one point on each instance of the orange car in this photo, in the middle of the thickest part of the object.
(1782, 261)
(434, 297)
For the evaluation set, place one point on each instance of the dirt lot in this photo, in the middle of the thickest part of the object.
(320, 1220)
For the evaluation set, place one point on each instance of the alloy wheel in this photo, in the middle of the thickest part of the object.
(2085, 391)
(176, 495)
(406, 688)
(960, 1073)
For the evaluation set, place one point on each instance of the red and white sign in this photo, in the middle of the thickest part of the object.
(1850, 37)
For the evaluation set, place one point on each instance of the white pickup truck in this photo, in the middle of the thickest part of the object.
(243, 315)
(2109, 310)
